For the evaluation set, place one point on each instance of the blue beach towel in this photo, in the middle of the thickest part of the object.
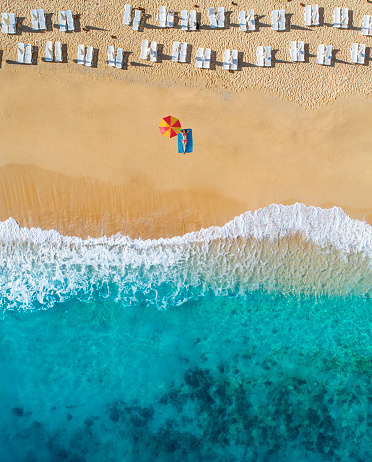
(189, 144)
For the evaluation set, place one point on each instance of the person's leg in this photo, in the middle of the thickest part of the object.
(184, 146)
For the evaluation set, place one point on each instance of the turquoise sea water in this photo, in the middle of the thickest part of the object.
(235, 349)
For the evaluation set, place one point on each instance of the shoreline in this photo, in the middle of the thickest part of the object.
(88, 160)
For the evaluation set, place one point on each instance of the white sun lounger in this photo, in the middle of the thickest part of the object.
(337, 17)
(5, 23)
(293, 55)
(175, 51)
(58, 52)
(89, 57)
(328, 55)
(221, 17)
(260, 56)
(192, 20)
(162, 16)
(183, 52)
(301, 51)
(307, 14)
(199, 58)
(41, 15)
(153, 52)
(226, 60)
(234, 60)
(70, 20)
(207, 58)
(28, 54)
(267, 55)
(184, 19)
(345, 18)
(320, 54)
(361, 53)
(137, 19)
(251, 21)
(34, 20)
(127, 15)
(62, 21)
(49, 51)
(145, 50)
(119, 58)
(12, 23)
(111, 56)
(212, 17)
(170, 18)
(281, 19)
(354, 53)
(21, 53)
(275, 20)
(81, 54)
(315, 15)
(242, 21)
(366, 25)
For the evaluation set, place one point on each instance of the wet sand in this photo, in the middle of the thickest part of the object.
(88, 160)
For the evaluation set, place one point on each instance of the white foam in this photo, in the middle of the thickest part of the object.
(39, 268)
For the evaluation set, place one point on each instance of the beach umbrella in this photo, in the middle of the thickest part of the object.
(170, 126)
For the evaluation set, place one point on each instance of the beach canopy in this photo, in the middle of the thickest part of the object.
(170, 126)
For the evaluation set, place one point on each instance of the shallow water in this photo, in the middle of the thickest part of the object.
(265, 378)
(235, 348)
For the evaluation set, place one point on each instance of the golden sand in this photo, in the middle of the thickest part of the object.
(81, 150)
(89, 159)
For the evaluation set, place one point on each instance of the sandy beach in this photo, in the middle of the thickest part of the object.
(81, 150)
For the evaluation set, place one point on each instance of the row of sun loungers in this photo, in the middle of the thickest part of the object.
(217, 19)
(179, 54)
(189, 21)
(66, 21)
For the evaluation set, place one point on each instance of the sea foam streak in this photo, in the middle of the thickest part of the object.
(288, 248)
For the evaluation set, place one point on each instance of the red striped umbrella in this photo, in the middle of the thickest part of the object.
(170, 126)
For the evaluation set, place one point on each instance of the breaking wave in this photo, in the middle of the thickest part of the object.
(294, 249)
